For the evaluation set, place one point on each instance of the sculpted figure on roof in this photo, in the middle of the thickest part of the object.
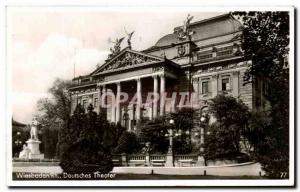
(129, 36)
(184, 32)
(187, 23)
(117, 47)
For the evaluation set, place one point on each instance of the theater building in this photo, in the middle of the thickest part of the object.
(202, 57)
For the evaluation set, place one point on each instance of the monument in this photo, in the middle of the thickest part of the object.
(32, 150)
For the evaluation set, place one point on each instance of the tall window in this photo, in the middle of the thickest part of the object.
(225, 84)
(84, 104)
(205, 87)
(95, 102)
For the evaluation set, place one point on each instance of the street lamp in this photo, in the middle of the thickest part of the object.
(169, 158)
(203, 120)
(171, 121)
(170, 149)
(18, 143)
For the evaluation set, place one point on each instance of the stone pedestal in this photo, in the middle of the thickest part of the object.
(34, 147)
(169, 160)
(147, 159)
(124, 159)
(200, 161)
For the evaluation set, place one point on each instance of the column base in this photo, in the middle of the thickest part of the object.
(36, 156)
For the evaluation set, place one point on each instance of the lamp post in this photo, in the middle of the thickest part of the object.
(18, 143)
(169, 160)
(203, 120)
(170, 149)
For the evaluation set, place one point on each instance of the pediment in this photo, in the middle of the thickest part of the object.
(126, 59)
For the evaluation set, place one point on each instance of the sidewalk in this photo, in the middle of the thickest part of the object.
(245, 169)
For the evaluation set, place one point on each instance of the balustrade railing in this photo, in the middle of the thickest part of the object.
(156, 159)
(137, 157)
(185, 160)
(221, 53)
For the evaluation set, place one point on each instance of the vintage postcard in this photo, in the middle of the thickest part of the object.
(107, 96)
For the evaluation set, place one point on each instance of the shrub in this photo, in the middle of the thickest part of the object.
(127, 143)
(86, 141)
(225, 134)
(154, 132)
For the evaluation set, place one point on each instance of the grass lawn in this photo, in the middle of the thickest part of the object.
(16, 176)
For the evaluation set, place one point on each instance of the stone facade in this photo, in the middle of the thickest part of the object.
(209, 63)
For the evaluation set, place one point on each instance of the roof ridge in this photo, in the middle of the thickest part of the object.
(207, 20)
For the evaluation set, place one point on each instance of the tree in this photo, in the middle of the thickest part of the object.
(154, 132)
(20, 134)
(53, 112)
(183, 124)
(86, 142)
(225, 133)
(127, 143)
(123, 141)
(265, 41)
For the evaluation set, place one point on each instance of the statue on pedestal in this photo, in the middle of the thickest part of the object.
(33, 130)
(31, 150)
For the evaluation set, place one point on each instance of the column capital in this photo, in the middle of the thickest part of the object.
(138, 79)
(215, 76)
(162, 75)
(235, 72)
(139, 97)
(154, 76)
(196, 79)
(118, 83)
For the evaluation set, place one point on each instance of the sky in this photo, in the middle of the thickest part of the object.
(45, 43)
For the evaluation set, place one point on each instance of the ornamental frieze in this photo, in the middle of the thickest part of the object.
(128, 59)
(158, 69)
(220, 68)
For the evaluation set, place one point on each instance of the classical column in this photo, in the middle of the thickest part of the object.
(118, 110)
(130, 112)
(99, 99)
(103, 107)
(113, 108)
(214, 85)
(235, 84)
(155, 89)
(195, 98)
(139, 98)
(162, 97)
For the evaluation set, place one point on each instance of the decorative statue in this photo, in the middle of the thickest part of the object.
(187, 23)
(24, 154)
(33, 130)
(117, 47)
(184, 32)
(129, 36)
